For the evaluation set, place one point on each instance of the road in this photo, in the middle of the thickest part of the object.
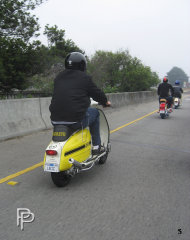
(141, 193)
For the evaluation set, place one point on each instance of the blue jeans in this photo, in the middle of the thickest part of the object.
(91, 119)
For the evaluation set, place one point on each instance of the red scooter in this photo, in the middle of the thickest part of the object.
(163, 109)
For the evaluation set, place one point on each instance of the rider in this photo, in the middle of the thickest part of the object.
(177, 89)
(70, 102)
(163, 91)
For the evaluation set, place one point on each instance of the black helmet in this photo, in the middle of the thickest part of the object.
(75, 61)
(165, 79)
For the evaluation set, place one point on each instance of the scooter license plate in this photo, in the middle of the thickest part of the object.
(51, 167)
(162, 111)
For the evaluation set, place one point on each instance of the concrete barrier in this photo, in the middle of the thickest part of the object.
(45, 114)
(19, 117)
(22, 116)
(126, 98)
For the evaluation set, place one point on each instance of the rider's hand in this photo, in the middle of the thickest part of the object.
(108, 104)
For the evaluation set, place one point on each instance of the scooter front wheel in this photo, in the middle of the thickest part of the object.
(60, 179)
(103, 159)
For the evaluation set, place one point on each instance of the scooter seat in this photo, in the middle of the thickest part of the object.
(61, 133)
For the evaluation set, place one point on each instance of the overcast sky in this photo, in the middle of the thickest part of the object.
(155, 31)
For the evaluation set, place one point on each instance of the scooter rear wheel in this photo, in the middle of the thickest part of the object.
(60, 179)
(162, 115)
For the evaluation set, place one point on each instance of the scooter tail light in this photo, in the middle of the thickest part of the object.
(51, 152)
(162, 106)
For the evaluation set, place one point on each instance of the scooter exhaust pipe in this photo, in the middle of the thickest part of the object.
(78, 164)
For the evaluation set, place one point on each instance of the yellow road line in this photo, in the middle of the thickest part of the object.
(117, 129)
(41, 163)
(12, 183)
(21, 172)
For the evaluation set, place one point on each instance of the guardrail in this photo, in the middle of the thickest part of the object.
(23, 116)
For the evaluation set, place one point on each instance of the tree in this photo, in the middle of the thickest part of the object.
(16, 20)
(177, 74)
(120, 72)
(138, 77)
(54, 35)
(54, 57)
(107, 68)
(19, 58)
(57, 43)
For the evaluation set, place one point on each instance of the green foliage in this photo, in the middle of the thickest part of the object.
(120, 72)
(13, 57)
(58, 45)
(109, 89)
(177, 74)
(54, 58)
(16, 20)
(20, 59)
(54, 35)
(44, 82)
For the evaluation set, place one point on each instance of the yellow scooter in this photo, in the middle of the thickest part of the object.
(71, 152)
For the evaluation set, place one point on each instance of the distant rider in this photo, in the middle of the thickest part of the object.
(166, 91)
(70, 102)
(177, 89)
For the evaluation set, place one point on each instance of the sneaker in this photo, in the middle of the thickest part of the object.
(170, 110)
(98, 150)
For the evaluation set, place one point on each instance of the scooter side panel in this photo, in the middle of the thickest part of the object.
(77, 147)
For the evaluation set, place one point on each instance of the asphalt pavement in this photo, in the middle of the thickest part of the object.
(141, 193)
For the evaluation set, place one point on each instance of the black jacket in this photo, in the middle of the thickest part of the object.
(177, 89)
(71, 96)
(164, 89)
